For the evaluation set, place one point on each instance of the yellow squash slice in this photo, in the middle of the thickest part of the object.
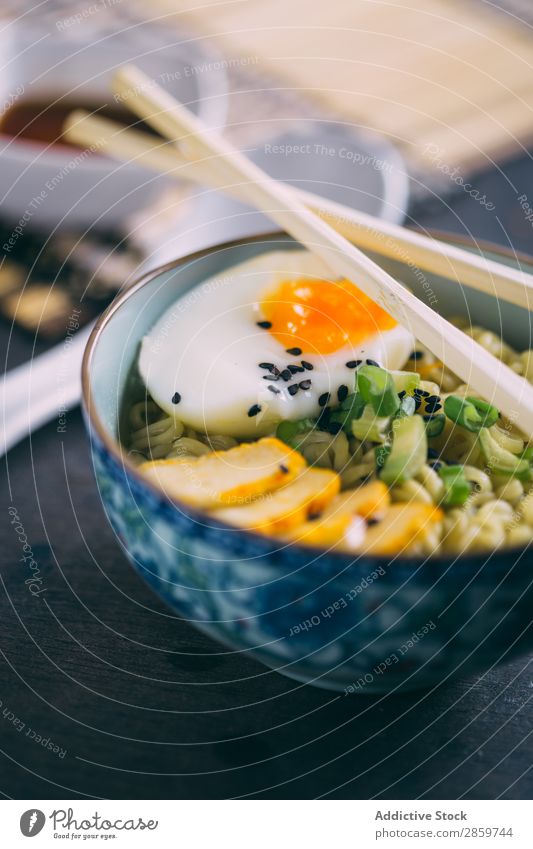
(401, 525)
(288, 507)
(236, 476)
(331, 527)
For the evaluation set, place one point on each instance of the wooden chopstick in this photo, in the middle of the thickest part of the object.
(367, 232)
(489, 377)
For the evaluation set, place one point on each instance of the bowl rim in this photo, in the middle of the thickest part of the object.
(113, 447)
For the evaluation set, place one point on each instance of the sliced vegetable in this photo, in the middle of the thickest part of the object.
(405, 381)
(407, 407)
(456, 487)
(471, 413)
(289, 506)
(236, 476)
(288, 431)
(377, 388)
(409, 450)
(434, 424)
(370, 427)
(351, 408)
(401, 525)
(502, 462)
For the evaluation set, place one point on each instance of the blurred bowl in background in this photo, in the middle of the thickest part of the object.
(46, 186)
(343, 163)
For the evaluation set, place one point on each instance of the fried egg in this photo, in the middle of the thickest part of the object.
(275, 337)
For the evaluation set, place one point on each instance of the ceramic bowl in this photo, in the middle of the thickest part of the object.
(48, 187)
(353, 624)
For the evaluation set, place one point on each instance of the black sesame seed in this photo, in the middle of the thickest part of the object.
(295, 351)
(334, 427)
(307, 365)
(324, 399)
(274, 390)
(284, 469)
(402, 394)
(342, 393)
(372, 363)
(266, 325)
(275, 371)
(417, 403)
(176, 398)
(268, 366)
(293, 389)
(295, 369)
(371, 521)
(273, 377)
(304, 384)
(353, 363)
(432, 398)
(436, 465)
(285, 374)
(422, 393)
(433, 406)
(416, 355)
(254, 410)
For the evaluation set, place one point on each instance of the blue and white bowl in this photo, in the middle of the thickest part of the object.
(355, 624)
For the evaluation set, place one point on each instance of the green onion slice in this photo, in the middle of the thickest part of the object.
(376, 387)
(471, 413)
(351, 408)
(370, 427)
(456, 487)
(409, 450)
(288, 431)
(435, 424)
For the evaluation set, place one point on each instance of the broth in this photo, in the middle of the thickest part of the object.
(41, 121)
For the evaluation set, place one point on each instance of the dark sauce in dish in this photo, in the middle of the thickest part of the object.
(41, 121)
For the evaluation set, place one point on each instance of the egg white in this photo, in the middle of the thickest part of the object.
(207, 347)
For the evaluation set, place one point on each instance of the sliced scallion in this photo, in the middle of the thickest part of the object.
(288, 431)
(409, 450)
(471, 413)
(405, 381)
(435, 424)
(377, 388)
(407, 407)
(456, 487)
(351, 408)
(371, 428)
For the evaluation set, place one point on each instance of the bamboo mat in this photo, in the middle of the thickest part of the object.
(449, 81)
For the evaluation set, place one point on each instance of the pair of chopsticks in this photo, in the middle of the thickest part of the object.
(199, 154)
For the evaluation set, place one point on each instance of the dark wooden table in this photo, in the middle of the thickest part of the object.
(104, 693)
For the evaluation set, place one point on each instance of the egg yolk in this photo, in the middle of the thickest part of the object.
(322, 316)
